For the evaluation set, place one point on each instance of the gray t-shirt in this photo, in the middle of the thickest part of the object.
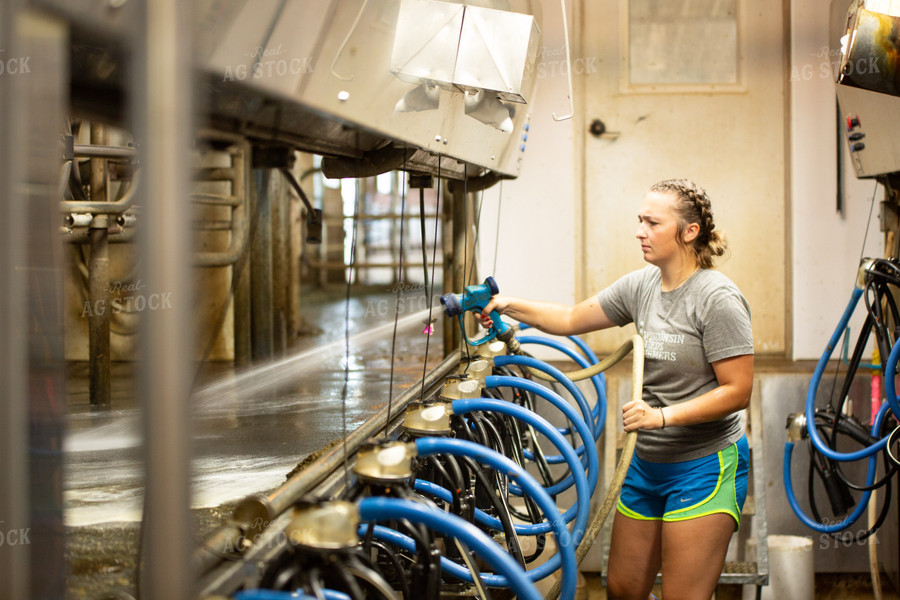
(704, 320)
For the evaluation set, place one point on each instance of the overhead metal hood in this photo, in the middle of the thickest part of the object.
(429, 85)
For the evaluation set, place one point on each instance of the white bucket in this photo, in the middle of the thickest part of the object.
(791, 572)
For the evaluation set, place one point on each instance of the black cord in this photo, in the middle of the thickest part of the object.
(892, 439)
(387, 424)
(430, 293)
(454, 484)
(464, 347)
(862, 250)
(423, 235)
(502, 509)
(347, 335)
(394, 559)
(497, 235)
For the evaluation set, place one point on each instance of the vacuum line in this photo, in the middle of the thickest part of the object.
(347, 334)
(399, 288)
(430, 293)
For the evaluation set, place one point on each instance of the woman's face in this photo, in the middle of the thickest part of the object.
(658, 228)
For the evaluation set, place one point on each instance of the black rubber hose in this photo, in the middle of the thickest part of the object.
(512, 539)
(454, 484)
(394, 559)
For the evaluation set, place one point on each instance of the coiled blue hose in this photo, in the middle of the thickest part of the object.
(385, 509)
(404, 542)
(498, 381)
(814, 436)
(864, 500)
(527, 361)
(583, 488)
(587, 449)
(582, 345)
(599, 408)
(566, 542)
(890, 389)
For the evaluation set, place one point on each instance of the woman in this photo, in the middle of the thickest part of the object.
(686, 485)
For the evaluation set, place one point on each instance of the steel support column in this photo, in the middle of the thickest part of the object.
(280, 249)
(261, 332)
(98, 280)
(46, 41)
(14, 560)
(243, 347)
(162, 61)
(455, 265)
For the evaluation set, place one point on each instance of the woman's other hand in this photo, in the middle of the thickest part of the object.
(637, 414)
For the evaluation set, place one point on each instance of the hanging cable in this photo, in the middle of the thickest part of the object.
(429, 293)
(387, 424)
(347, 332)
(471, 275)
(497, 235)
(862, 250)
(464, 347)
(423, 236)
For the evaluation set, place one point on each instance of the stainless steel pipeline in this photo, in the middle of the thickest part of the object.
(240, 227)
(236, 174)
(215, 199)
(125, 236)
(255, 512)
(104, 151)
(116, 207)
(98, 280)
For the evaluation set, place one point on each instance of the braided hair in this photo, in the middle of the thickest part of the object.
(692, 205)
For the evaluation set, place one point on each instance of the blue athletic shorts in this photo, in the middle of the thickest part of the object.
(686, 490)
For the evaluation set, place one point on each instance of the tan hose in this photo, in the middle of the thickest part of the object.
(874, 567)
(615, 485)
(601, 366)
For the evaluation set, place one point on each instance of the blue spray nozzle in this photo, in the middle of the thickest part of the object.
(452, 306)
(491, 283)
(474, 299)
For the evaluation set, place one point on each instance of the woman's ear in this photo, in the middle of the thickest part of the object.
(690, 233)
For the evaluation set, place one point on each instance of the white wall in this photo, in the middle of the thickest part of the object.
(826, 245)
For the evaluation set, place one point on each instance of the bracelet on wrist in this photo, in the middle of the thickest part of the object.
(663, 415)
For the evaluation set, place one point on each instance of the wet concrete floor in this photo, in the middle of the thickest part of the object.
(250, 428)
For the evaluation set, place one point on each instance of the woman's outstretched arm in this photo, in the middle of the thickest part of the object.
(551, 317)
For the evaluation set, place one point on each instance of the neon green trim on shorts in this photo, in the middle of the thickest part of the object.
(719, 501)
(634, 515)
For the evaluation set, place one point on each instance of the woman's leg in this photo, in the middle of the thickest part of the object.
(634, 558)
(693, 553)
